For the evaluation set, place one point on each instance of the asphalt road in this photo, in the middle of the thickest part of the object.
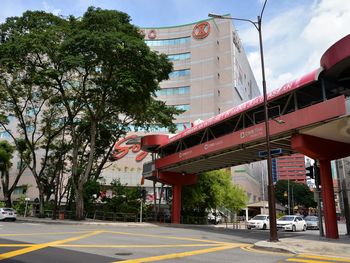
(28, 242)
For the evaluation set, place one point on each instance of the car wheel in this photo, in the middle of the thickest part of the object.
(304, 228)
(248, 228)
(294, 229)
(264, 227)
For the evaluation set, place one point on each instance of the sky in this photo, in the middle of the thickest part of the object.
(295, 32)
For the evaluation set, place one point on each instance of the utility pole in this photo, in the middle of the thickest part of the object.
(319, 203)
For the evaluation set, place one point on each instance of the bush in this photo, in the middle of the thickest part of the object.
(20, 205)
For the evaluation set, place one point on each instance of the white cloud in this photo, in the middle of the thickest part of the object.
(295, 40)
(50, 9)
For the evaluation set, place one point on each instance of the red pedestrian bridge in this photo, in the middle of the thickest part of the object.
(309, 115)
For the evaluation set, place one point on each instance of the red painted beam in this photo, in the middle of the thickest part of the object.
(172, 178)
(318, 148)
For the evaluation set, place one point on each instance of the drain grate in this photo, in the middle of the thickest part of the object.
(123, 254)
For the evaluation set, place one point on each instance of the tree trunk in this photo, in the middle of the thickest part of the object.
(8, 200)
(41, 203)
(79, 204)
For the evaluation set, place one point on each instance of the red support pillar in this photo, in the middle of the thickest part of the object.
(323, 150)
(328, 199)
(176, 204)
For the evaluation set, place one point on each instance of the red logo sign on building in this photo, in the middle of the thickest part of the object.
(121, 148)
(201, 30)
(152, 34)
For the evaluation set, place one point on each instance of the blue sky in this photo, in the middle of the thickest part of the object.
(295, 32)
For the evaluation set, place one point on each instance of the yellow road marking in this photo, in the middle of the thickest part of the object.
(16, 245)
(43, 234)
(306, 260)
(44, 245)
(324, 257)
(169, 237)
(178, 255)
(137, 246)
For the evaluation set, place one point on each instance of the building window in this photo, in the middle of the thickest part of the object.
(21, 190)
(5, 135)
(30, 128)
(184, 107)
(168, 42)
(182, 126)
(182, 56)
(179, 73)
(173, 91)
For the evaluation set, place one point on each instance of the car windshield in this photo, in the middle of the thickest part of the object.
(8, 209)
(259, 218)
(311, 218)
(286, 218)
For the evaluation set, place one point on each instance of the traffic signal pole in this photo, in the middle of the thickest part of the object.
(317, 182)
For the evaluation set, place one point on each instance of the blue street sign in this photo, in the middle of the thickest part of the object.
(272, 151)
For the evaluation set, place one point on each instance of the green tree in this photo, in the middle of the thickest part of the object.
(95, 71)
(124, 200)
(213, 190)
(6, 154)
(300, 194)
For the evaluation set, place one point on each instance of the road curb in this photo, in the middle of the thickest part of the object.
(274, 249)
(92, 223)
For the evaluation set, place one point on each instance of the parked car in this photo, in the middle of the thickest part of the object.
(312, 222)
(8, 214)
(291, 222)
(259, 222)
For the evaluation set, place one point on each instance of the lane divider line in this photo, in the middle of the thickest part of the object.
(178, 255)
(44, 245)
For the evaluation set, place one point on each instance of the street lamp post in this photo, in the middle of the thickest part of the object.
(271, 191)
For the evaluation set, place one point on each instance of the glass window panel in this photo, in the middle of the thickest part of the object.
(168, 42)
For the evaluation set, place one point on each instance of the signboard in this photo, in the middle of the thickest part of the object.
(272, 151)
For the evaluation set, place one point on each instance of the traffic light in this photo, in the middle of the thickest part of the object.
(310, 171)
(143, 194)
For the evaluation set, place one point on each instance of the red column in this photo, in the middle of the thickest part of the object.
(328, 199)
(176, 204)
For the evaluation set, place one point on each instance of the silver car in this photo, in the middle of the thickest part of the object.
(312, 222)
(8, 214)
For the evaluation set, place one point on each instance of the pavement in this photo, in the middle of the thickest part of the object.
(308, 244)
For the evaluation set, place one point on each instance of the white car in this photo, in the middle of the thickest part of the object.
(291, 222)
(259, 222)
(214, 217)
(8, 213)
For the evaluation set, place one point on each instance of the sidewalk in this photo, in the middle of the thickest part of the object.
(312, 244)
(325, 247)
(84, 222)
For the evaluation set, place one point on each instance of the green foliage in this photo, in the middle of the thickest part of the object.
(6, 154)
(20, 205)
(92, 190)
(213, 189)
(2, 204)
(95, 71)
(300, 193)
(125, 199)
